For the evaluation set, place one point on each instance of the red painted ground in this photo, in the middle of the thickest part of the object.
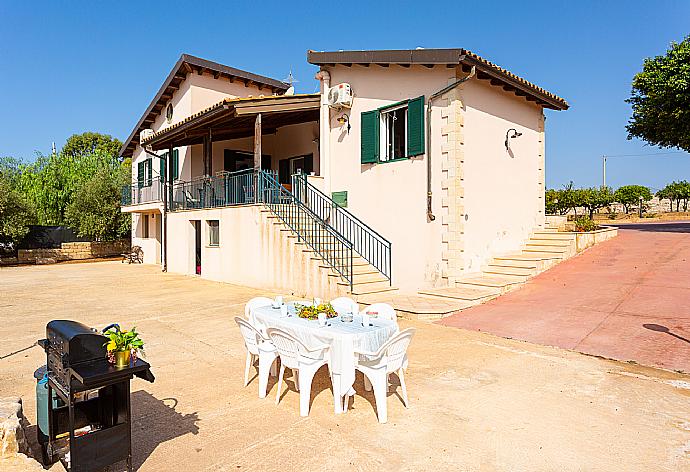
(627, 299)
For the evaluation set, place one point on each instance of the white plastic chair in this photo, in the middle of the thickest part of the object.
(302, 361)
(390, 358)
(383, 310)
(345, 305)
(256, 303)
(257, 347)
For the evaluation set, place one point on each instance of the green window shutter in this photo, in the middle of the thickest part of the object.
(140, 174)
(370, 136)
(162, 160)
(415, 126)
(149, 177)
(176, 164)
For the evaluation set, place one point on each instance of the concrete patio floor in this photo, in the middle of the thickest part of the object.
(478, 402)
(627, 298)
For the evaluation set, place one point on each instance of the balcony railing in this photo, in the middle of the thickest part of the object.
(146, 191)
(223, 189)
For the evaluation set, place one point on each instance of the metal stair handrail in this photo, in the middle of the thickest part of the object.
(332, 247)
(365, 241)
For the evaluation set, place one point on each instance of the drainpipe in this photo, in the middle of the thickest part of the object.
(429, 214)
(324, 130)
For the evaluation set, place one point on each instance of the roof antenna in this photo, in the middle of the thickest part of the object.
(290, 79)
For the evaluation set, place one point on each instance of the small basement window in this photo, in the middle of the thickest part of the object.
(213, 233)
(394, 125)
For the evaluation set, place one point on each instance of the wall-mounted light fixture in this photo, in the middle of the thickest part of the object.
(510, 136)
(344, 118)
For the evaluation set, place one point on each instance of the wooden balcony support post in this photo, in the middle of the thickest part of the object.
(257, 154)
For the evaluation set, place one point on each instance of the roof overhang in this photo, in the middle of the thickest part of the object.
(187, 64)
(234, 118)
(449, 57)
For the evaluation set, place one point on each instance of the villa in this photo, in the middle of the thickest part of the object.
(410, 170)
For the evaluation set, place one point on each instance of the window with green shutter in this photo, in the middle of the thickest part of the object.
(393, 132)
(149, 171)
(370, 137)
(162, 159)
(415, 127)
(176, 164)
(140, 174)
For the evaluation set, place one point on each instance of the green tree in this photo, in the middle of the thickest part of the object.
(559, 201)
(94, 211)
(50, 182)
(660, 99)
(630, 195)
(89, 143)
(593, 198)
(15, 212)
(678, 192)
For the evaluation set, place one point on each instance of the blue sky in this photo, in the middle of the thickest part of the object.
(69, 67)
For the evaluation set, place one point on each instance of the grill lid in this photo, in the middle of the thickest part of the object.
(75, 340)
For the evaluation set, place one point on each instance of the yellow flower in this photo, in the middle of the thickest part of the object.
(112, 345)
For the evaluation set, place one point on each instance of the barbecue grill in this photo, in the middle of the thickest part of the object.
(89, 426)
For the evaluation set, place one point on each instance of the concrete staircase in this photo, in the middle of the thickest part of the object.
(544, 249)
(366, 279)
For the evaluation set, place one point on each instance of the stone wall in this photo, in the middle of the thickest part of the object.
(75, 251)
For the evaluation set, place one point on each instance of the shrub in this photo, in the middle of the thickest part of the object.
(585, 223)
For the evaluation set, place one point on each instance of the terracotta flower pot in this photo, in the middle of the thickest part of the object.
(122, 358)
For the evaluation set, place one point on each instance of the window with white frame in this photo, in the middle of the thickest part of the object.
(394, 139)
(393, 132)
(213, 233)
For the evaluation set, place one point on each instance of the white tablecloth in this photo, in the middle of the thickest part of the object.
(342, 338)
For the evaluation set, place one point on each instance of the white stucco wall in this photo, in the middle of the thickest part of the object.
(501, 188)
(151, 246)
(391, 197)
(501, 193)
(252, 252)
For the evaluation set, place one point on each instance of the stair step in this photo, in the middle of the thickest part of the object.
(545, 249)
(553, 235)
(521, 263)
(530, 256)
(360, 279)
(470, 294)
(497, 281)
(500, 270)
(372, 288)
(367, 279)
(549, 242)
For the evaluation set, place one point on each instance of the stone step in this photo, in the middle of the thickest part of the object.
(545, 249)
(378, 287)
(529, 256)
(356, 262)
(549, 242)
(495, 281)
(470, 294)
(360, 279)
(500, 270)
(553, 235)
(521, 263)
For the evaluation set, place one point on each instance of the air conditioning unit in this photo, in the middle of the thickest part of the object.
(145, 134)
(340, 96)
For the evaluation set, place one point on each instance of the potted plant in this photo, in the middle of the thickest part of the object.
(123, 345)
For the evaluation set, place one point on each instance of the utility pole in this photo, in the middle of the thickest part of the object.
(603, 171)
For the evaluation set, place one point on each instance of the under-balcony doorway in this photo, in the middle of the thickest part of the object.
(197, 246)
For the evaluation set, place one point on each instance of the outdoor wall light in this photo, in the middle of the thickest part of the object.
(511, 136)
(344, 118)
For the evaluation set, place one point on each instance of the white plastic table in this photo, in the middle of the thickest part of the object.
(343, 338)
